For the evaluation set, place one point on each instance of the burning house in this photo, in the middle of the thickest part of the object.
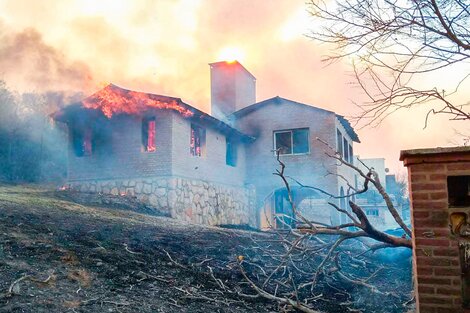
(210, 169)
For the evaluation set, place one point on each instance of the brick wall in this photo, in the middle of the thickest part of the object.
(120, 154)
(211, 166)
(436, 261)
(169, 179)
(311, 168)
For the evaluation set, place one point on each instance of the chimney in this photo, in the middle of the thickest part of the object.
(232, 88)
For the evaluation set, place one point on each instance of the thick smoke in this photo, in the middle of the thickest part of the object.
(35, 80)
(28, 64)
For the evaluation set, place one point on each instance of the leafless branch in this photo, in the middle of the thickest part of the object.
(393, 44)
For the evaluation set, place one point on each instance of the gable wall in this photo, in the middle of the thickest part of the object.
(311, 168)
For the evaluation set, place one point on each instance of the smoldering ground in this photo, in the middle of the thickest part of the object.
(90, 259)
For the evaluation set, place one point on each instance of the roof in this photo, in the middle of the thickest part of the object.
(279, 100)
(113, 100)
(434, 151)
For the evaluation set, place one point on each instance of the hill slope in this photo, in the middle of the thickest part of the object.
(105, 260)
(60, 256)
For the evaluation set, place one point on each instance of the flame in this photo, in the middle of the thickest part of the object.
(63, 188)
(115, 100)
(231, 54)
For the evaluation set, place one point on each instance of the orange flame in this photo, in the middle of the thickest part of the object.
(115, 100)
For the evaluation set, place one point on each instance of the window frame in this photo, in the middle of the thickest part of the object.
(291, 131)
(82, 141)
(339, 142)
(231, 152)
(202, 140)
(346, 149)
(351, 153)
(145, 134)
(375, 212)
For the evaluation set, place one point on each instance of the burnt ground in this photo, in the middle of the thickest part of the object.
(101, 257)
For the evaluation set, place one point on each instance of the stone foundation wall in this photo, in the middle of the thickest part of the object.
(185, 199)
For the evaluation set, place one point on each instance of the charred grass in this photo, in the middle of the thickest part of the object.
(57, 255)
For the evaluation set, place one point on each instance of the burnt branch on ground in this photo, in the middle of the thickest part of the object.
(306, 258)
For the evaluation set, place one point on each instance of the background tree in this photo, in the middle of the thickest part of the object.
(32, 148)
(395, 43)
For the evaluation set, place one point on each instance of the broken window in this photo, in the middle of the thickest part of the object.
(458, 188)
(295, 141)
(198, 140)
(148, 134)
(231, 152)
(339, 142)
(81, 139)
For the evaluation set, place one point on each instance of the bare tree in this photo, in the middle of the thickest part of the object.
(393, 43)
(309, 253)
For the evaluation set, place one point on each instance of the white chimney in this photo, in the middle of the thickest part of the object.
(232, 88)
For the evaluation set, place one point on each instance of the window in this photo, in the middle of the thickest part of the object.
(82, 141)
(293, 141)
(351, 155)
(198, 140)
(346, 150)
(458, 189)
(148, 134)
(231, 152)
(339, 142)
(372, 212)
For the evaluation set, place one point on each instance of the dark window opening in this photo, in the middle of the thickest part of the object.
(346, 150)
(231, 153)
(198, 140)
(351, 155)
(148, 134)
(295, 141)
(339, 142)
(283, 210)
(82, 142)
(372, 212)
(458, 188)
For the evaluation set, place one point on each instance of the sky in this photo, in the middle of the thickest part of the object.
(165, 46)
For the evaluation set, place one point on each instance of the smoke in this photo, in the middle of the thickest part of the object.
(28, 64)
(164, 47)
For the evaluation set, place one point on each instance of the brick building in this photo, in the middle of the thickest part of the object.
(373, 203)
(440, 211)
(211, 169)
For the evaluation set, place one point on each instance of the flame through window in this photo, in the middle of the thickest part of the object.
(198, 140)
(148, 134)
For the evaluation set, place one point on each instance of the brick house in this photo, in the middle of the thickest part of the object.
(439, 180)
(210, 169)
